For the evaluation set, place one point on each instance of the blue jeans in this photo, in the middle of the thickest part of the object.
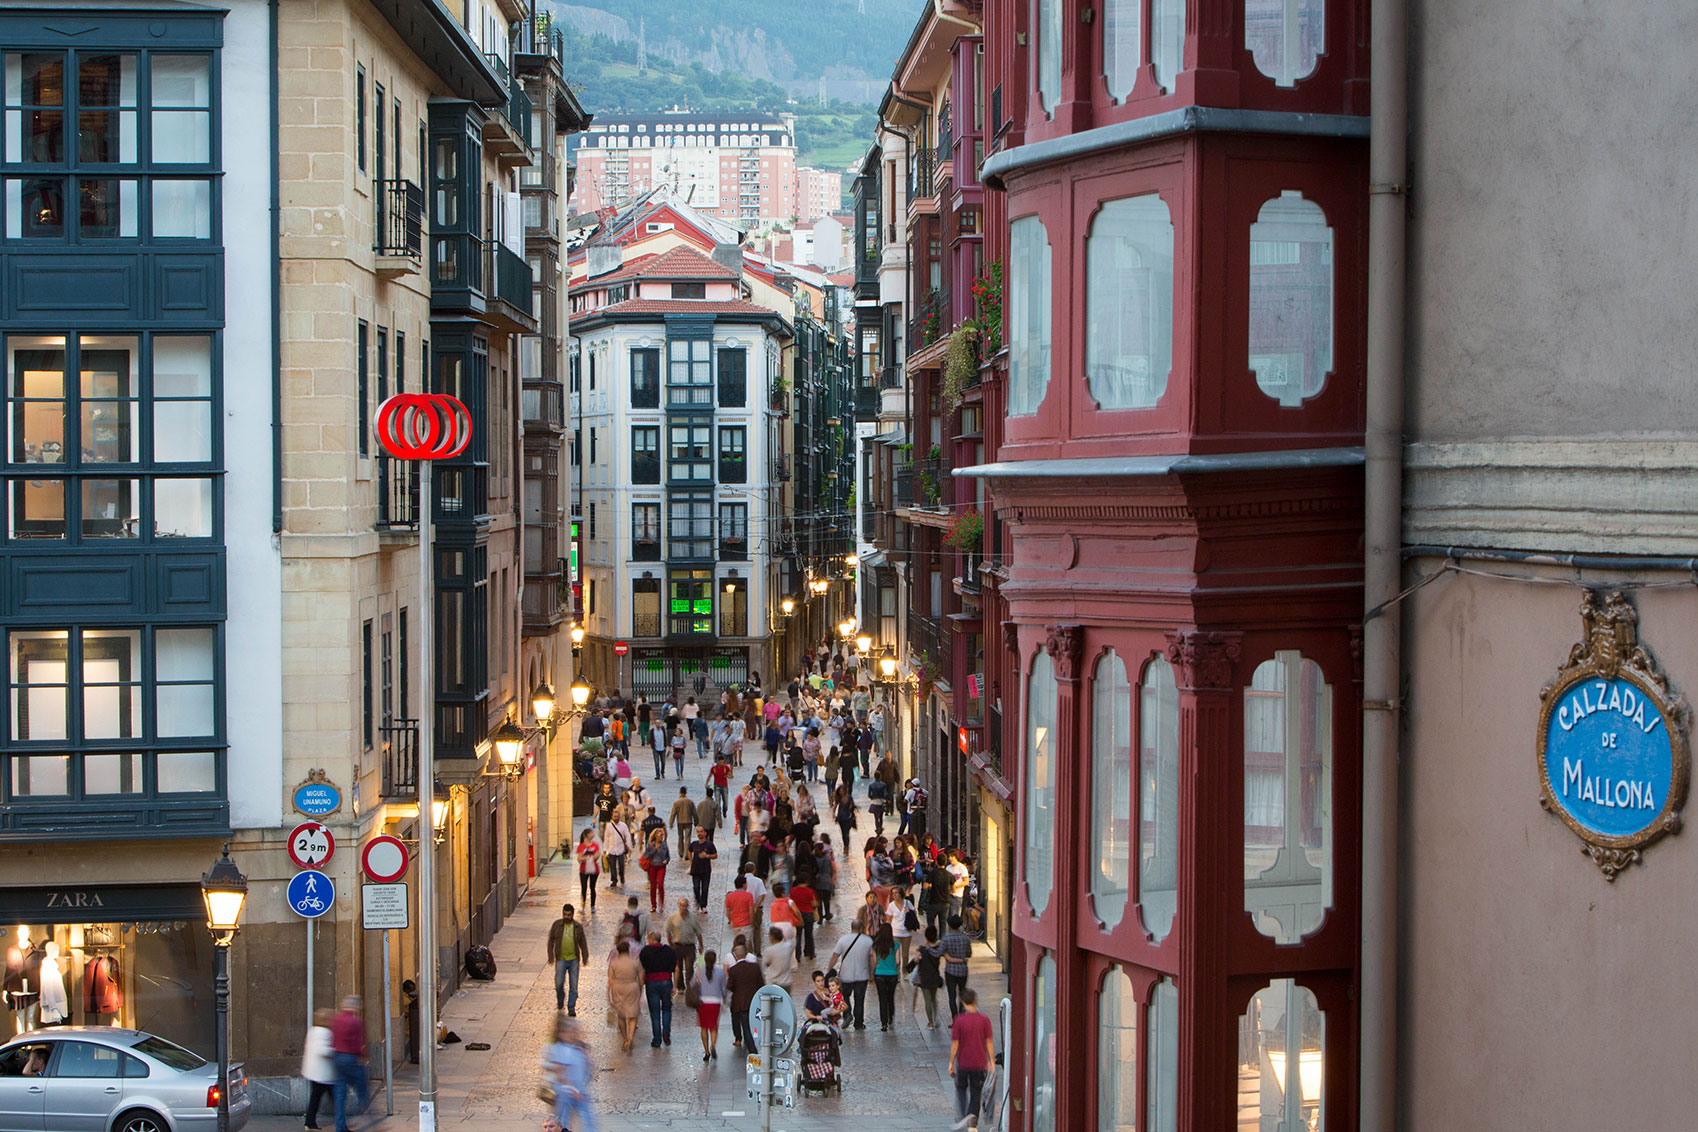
(660, 764)
(660, 1008)
(350, 1070)
(701, 745)
(562, 969)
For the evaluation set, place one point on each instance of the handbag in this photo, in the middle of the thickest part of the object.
(545, 1094)
(910, 919)
(693, 994)
(612, 1018)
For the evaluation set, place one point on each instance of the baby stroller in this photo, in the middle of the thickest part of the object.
(821, 1049)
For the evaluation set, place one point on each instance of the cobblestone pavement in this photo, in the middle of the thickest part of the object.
(896, 1077)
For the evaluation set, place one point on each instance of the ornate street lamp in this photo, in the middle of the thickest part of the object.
(542, 702)
(580, 692)
(788, 605)
(577, 635)
(509, 742)
(224, 889)
(439, 805)
(863, 644)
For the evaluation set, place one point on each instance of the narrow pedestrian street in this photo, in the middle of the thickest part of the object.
(897, 1078)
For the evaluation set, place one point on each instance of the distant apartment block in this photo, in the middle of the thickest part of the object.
(818, 193)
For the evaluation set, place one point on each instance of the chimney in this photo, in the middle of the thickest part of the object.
(603, 258)
(729, 256)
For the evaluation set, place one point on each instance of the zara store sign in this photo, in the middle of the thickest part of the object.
(1613, 754)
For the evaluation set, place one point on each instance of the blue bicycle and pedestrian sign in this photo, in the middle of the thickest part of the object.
(311, 894)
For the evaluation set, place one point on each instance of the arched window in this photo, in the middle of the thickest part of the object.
(1287, 797)
(1117, 1055)
(1158, 798)
(1123, 45)
(1111, 789)
(1044, 1051)
(1161, 1065)
(1028, 315)
(1167, 44)
(1040, 783)
(1129, 302)
(1285, 37)
(1282, 1044)
(1291, 297)
(1047, 19)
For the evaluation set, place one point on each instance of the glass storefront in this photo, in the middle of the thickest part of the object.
(137, 956)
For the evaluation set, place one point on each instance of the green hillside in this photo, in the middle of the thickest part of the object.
(831, 135)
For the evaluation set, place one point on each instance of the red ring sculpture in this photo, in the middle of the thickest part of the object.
(423, 426)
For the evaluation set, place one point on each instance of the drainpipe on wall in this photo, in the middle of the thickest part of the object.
(1388, 163)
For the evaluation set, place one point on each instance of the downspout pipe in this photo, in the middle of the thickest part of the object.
(1388, 200)
(276, 286)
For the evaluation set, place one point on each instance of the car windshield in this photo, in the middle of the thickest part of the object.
(166, 1053)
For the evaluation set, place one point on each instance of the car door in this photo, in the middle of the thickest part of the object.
(84, 1087)
(23, 1096)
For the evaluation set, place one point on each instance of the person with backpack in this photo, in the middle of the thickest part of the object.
(878, 796)
(918, 800)
(938, 885)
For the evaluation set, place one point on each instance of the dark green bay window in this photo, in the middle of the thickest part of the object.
(103, 144)
(110, 437)
(98, 713)
(689, 603)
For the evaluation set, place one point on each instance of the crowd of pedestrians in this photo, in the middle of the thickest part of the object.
(823, 761)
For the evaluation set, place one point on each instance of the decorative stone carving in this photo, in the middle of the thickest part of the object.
(1011, 636)
(1065, 645)
(1203, 661)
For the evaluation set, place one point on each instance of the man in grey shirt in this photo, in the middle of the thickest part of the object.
(707, 814)
(683, 820)
(853, 958)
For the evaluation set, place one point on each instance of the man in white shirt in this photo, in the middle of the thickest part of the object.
(853, 958)
(757, 924)
(957, 869)
(640, 796)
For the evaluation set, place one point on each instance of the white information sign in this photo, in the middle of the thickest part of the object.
(383, 906)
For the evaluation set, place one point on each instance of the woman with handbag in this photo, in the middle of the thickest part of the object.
(708, 990)
(656, 857)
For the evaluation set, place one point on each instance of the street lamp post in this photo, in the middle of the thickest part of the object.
(224, 889)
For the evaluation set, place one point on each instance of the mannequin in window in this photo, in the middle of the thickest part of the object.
(55, 1005)
(23, 980)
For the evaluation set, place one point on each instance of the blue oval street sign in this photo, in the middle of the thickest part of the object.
(1609, 758)
(315, 799)
(311, 894)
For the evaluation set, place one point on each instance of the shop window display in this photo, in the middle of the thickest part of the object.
(144, 975)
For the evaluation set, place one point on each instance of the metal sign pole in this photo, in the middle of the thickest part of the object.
(769, 1055)
(388, 1034)
(426, 775)
(310, 934)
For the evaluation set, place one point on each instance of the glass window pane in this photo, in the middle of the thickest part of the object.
(109, 384)
(1167, 45)
(182, 136)
(106, 137)
(112, 774)
(1287, 797)
(1117, 1055)
(35, 208)
(111, 508)
(1282, 1041)
(1047, 22)
(35, 78)
(40, 685)
(1291, 297)
(1040, 783)
(182, 508)
(108, 209)
(106, 80)
(186, 772)
(182, 367)
(38, 776)
(1285, 37)
(1123, 45)
(182, 431)
(37, 382)
(182, 80)
(1129, 303)
(1028, 315)
(37, 509)
(1044, 1051)
(185, 710)
(1158, 799)
(182, 209)
(183, 654)
(1111, 789)
(1161, 1065)
(112, 673)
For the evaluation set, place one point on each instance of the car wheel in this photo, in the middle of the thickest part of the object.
(140, 1120)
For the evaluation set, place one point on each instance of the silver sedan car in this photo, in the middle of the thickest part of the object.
(105, 1079)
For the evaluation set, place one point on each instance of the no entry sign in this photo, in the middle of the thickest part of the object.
(384, 859)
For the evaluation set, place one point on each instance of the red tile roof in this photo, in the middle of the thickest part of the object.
(675, 306)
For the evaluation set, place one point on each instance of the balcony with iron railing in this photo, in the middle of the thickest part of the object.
(645, 623)
(903, 482)
(544, 600)
(943, 162)
(397, 494)
(507, 135)
(400, 740)
(781, 467)
(400, 227)
(922, 182)
(930, 322)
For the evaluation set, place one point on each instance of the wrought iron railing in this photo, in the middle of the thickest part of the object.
(400, 739)
(397, 494)
(920, 174)
(400, 218)
(645, 623)
(945, 158)
(781, 467)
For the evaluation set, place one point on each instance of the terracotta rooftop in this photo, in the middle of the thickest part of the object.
(675, 306)
(674, 263)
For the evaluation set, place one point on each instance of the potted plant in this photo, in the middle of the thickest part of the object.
(965, 531)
